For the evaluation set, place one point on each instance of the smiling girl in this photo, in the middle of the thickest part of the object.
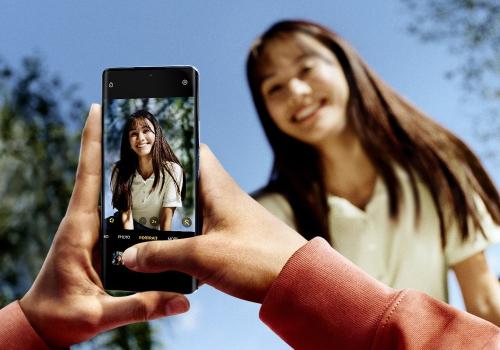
(357, 164)
(147, 180)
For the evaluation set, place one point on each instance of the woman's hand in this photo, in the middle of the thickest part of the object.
(127, 219)
(243, 247)
(166, 215)
(67, 303)
(480, 287)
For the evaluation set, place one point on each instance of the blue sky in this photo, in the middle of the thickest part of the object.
(80, 39)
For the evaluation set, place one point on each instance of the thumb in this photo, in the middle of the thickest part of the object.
(140, 307)
(183, 255)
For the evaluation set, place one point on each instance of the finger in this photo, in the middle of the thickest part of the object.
(140, 307)
(218, 191)
(181, 255)
(85, 195)
(212, 174)
(222, 200)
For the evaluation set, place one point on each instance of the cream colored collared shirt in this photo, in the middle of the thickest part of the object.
(146, 204)
(397, 253)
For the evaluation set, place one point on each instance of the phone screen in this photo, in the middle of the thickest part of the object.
(149, 168)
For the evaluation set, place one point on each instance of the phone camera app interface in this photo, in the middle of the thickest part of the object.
(149, 164)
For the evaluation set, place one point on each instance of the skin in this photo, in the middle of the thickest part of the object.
(67, 303)
(127, 219)
(305, 91)
(480, 288)
(303, 73)
(141, 141)
(166, 215)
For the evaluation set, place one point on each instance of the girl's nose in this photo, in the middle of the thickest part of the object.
(298, 92)
(299, 87)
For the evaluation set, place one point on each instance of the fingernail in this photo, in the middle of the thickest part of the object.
(177, 305)
(130, 257)
(92, 107)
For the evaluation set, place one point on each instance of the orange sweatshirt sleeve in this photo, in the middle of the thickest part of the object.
(321, 300)
(16, 331)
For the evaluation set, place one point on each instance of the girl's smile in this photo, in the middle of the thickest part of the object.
(304, 89)
(142, 138)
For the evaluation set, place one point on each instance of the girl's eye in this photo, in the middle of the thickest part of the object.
(133, 134)
(305, 70)
(274, 89)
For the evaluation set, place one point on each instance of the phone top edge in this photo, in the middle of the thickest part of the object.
(152, 68)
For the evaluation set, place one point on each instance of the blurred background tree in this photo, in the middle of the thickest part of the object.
(38, 157)
(40, 126)
(470, 29)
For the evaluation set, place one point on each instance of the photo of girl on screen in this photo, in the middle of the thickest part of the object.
(147, 180)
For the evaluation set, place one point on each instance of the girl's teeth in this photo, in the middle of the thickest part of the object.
(306, 112)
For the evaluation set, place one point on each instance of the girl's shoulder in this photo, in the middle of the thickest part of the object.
(174, 169)
(177, 167)
(173, 166)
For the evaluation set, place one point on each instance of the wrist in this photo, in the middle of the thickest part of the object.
(285, 257)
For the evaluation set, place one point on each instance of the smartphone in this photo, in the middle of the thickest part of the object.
(150, 167)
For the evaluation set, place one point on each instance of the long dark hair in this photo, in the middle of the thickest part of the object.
(124, 170)
(391, 131)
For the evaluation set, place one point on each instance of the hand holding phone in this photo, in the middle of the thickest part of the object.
(66, 304)
(150, 169)
(243, 247)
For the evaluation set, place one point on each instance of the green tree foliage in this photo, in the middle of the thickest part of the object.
(40, 124)
(471, 30)
(38, 157)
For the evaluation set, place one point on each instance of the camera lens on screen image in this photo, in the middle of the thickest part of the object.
(110, 85)
(184, 82)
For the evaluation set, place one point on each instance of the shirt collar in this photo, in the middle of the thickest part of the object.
(151, 177)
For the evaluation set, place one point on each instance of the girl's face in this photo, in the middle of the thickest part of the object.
(141, 137)
(304, 88)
